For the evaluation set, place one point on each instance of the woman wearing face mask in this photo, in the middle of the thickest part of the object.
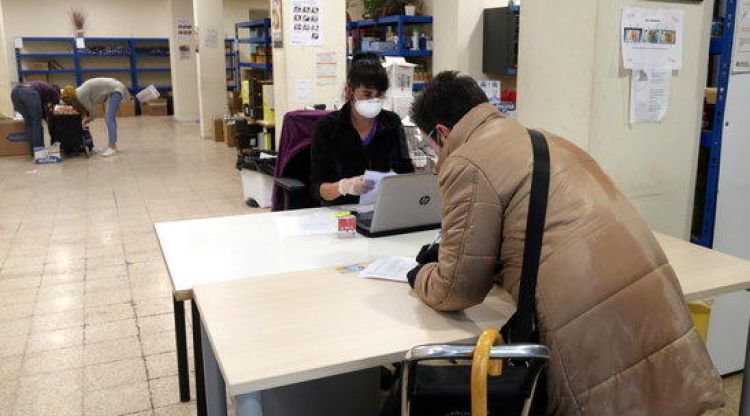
(361, 136)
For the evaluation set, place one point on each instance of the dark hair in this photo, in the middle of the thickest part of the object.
(445, 100)
(367, 71)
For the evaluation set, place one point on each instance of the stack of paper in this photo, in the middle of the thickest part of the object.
(389, 268)
(373, 176)
(302, 225)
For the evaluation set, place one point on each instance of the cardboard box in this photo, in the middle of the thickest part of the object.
(35, 77)
(219, 129)
(155, 108)
(127, 109)
(229, 135)
(712, 95)
(37, 66)
(13, 138)
(234, 102)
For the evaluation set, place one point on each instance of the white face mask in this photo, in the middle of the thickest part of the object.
(369, 108)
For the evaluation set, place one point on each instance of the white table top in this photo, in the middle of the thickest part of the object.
(225, 248)
(277, 330)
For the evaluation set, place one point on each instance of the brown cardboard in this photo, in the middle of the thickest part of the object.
(219, 129)
(155, 108)
(127, 109)
(38, 66)
(13, 138)
(711, 95)
(229, 135)
(35, 77)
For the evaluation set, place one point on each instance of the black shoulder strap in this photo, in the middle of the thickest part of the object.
(522, 326)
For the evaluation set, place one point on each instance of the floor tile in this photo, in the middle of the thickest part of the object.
(120, 400)
(107, 297)
(111, 330)
(10, 367)
(59, 393)
(114, 350)
(54, 360)
(55, 321)
(7, 396)
(109, 313)
(161, 365)
(158, 343)
(155, 306)
(9, 312)
(14, 297)
(179, 409)
(52, 340)
(102, 376)
(165, 391)
(58, 304)
(61, 290)
(157, 323)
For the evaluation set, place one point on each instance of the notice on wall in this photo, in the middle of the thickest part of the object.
(80, 43)
(741, 61)
(649, 94)
(184, 29)
(211, 37)
(18, 43)
(302, 88)
(652, 38)
(277, 34)
(184, 52)
(326, 66)
(492, 89)
(307, 21)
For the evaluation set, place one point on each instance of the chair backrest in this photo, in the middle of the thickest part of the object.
(294, 155)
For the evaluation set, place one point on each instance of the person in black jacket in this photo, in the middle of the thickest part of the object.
(361, 136)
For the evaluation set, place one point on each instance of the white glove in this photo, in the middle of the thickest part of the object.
(355, 186)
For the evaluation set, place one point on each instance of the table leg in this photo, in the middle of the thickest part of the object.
(250, 404)
(200, 382)
(216, 402)
(181, 341)
(745, 395)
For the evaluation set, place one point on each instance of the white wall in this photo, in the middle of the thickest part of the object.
(184, 71)
(240, 11)
(6, 108)
(572, 82)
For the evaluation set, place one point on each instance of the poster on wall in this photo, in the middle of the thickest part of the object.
(184, 29)
(649, 94)
(211, 37)
(326, 67)
(741, 62)
(302, 89)
(277, 34)
(652, 38)
(306, 22)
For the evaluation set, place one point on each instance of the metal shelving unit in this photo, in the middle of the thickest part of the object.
(68, 50)
(259, 36)
(231, 57)
(707, 183)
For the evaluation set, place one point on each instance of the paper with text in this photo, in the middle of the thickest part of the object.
(371, 175)
(389, 268)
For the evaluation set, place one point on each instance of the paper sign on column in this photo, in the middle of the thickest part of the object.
(18, 43)
(80, 43)
(184, 29)
(307, 22)
(649, 94)
(742, 38)
(211, 38)
(325, 68)
(302, 90)
(652, 38)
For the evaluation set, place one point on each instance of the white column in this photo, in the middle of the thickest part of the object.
(6, 107)
(184, 66)
(211, 62)
(297, 63)
(571, 81)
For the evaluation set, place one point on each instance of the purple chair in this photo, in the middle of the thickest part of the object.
(292, 173)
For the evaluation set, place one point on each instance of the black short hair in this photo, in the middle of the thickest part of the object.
(445, 100)
(367, 71)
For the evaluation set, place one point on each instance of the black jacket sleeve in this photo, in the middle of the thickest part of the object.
(402, 162)
(322, 159)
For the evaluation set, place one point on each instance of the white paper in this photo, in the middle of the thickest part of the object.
(389, 268)
(649, 95)
(80, 43)
(492, 89)
(371, 175)
(652, 38)
(302, 89)
(184, 29)
(304, 225)
(211, 37)
(325, 68)
(307, 22)
(742, 38)
(18, 43)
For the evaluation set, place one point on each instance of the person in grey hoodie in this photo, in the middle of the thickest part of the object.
(94, 92)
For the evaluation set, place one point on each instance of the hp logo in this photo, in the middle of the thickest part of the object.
(424, 200)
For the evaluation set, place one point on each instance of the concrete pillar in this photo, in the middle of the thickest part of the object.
(297, 63)
(572, 82)
(211, 63)
(6, 107)
(184, 69)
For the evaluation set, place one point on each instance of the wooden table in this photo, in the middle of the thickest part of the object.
(225, 248)
(256, 326)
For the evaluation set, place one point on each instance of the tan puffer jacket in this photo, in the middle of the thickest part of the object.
(609, 305)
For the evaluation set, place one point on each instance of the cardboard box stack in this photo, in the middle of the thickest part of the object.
(219, 129)
(13, 138)
(155, 108)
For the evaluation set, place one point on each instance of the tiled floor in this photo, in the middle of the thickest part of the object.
(85, 310)
(86, 323)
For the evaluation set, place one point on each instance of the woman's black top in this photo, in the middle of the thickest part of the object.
(338, 151)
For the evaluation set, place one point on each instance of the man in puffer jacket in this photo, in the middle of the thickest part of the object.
(609, 306)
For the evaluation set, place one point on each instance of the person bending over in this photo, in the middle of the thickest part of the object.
(361, 136)
(609, 305)
(35, 101)
(92, 93)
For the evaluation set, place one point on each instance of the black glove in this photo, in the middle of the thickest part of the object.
(428, 254)
(412, 275)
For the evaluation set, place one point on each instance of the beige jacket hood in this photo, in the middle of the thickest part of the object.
(609, 305)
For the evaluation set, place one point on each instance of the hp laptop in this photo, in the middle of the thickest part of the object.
(406, 203)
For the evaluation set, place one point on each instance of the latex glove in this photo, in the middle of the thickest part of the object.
(428, 253)
(355, 186)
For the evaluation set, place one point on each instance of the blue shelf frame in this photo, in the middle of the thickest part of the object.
(78, 55)
(710, 141)
(263, 26)
(256, 66)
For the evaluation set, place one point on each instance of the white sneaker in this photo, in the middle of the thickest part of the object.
(109, 152)
(100, 150)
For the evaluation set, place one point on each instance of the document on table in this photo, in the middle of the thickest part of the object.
(311, 224)
(389, 268)
(374, 176)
